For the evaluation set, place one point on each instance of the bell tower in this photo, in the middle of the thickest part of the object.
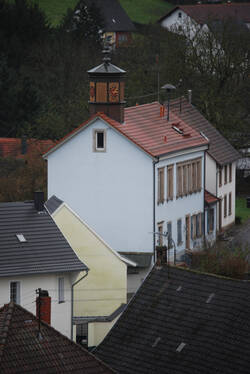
(106, 88)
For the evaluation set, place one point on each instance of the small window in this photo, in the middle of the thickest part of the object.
(99, 141)
(179, 232)
(15, 292)
(61, 290)
(21, 238)
(179, 15)
(225, 206)
(160, 185)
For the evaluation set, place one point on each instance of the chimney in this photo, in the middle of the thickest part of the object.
(45, 306)
(190, 96)
(161, 255)
(106, 90)
(39, 200)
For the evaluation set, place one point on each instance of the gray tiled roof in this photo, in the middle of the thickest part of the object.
(52, 204)
(114, 16)
(182, 321)
(219, 148)
(45, 250)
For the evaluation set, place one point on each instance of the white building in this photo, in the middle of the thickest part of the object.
(33, 255)
(132, 174)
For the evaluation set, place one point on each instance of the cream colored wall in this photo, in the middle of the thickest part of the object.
(97, 331)
(105, 287)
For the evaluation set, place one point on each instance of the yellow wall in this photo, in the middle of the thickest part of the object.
(105, 287)
(97, 331)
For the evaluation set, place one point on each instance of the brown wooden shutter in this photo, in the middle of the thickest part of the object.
(101, 92)
(225, 206)
(230, 204)
(199, 175)
(114, 92)
(194, 176)
(170, 183)
(160, 185)
(225, 174)
(189, 178)
(230, 172)
(92, 91)
(185, 182)
(179, 181)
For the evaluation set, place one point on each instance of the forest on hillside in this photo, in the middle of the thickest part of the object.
(44, 83)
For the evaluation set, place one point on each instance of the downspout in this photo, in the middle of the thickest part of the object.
(72, 300)
(154, 182)
(204, 184)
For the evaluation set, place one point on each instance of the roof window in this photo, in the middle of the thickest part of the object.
(21, 238)
(210, 297)
(204, 136)
(180, 347)
(177, 130)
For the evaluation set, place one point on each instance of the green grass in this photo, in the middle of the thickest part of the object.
(141, 11)
(241, 209)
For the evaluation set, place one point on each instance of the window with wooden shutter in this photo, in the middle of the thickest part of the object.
(230, 203)
(179, 181)
(225, 206)
(199, 175)
(230, 173)
(170, 183)
(185, 179)
(169, 230)
(194, 176)
(225, 174)
(220, 177)
(160, 185)
(189, 178)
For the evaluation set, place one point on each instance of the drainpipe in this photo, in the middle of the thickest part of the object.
(154, 163)
(204, 181)
(72, 300)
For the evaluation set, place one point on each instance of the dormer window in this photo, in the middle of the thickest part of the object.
(99, 141)
(21, 238)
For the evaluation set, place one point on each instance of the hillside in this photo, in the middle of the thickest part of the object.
(141, 11)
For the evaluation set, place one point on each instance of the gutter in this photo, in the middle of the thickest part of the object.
(72, 300)
(154, 182)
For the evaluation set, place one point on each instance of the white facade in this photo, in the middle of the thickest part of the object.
(60, 312)
(112, 191)
(211, 172)
(180, 22)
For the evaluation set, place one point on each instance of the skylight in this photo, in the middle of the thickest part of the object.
(177, 130)
(210, 297)
(21, 238)
(180, 347)
(204, 136)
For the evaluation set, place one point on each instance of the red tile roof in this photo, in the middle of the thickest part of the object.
(202, 13)
(12, 147)
(153, 133)
(210, 198)
(22, 351)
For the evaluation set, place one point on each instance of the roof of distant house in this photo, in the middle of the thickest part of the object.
(210, 198)
(147, 127)
(23, 351)
(219, 148)
(114, 16)
(202, 13)
(31, 243)
(181, 321)
(17, 148)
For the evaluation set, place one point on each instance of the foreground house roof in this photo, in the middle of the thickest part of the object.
(181, 321)
(202, 13)
(114, 16)
(43, 249)
(15, 147)
(219, 148)
(148, 128)
(23, 350)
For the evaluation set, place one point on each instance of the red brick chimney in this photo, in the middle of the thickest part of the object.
(43, 302)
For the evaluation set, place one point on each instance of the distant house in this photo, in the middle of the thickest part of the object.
(117, 23)
(220, 168)
(19, 147)
(100, 299)
(27, 348)
(34, 254)
(181, 321)
(192, 18)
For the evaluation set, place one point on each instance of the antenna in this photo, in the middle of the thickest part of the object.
(38, 292)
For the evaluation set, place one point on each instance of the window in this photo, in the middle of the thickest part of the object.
(170, 191)
(220, 177)
(61, 290)
(230, 173)
(122, 38)
(225, 174)
(15, 292)
(225, 206)
(230, 203)
(21, 238)
(179, 15)
(179, 232)
(198, 225)
(210, 220)
(193, 227)
(189, 177)
(169, 229)
(99, 141)
(160, 185)
(82, 334)
(160, 233)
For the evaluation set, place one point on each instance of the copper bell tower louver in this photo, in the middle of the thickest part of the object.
(106, 91)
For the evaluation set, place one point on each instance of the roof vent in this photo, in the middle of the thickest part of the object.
(204, 136)
(210, 297)
(21, 238)
(177, 130)
(179, 289)
(156, 342)
(180, 347)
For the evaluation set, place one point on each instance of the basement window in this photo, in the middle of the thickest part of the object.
(21, 238)
(99, 141)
